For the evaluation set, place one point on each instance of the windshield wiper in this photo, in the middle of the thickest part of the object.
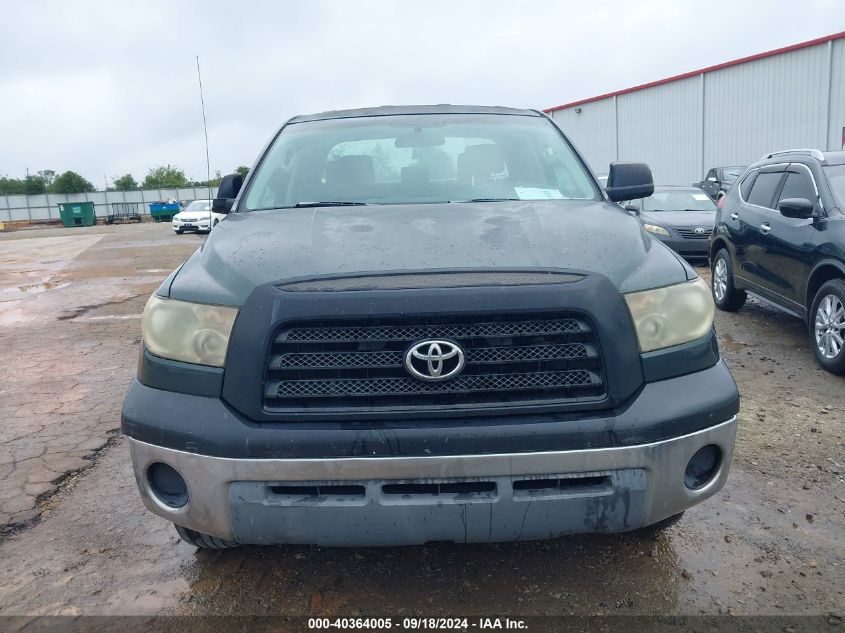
(487, 200)
(329, 203)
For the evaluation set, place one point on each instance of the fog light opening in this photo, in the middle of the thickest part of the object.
(167, 485)
(702, 467)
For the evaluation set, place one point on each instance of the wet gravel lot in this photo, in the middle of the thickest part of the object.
(75, 539)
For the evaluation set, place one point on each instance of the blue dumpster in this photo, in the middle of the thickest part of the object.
(164, 211)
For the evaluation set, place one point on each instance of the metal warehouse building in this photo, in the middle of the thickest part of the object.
(729, 114)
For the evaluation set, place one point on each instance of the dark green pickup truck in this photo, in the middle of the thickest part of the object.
(427, 324)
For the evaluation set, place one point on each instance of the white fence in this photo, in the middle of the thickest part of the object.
(46, 206)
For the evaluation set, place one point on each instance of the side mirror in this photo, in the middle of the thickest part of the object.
(799, 208)
(630, 208)
(222, 205)
(629, 181)
(228, 190)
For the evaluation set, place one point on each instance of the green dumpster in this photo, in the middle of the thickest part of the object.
(77, 214)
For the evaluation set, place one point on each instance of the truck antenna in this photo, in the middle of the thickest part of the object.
(205, 130)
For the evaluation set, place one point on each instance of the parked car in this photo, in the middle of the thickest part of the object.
(780, 235)
(719, 180)
(427, 324)
(197, 216)
(680, 217)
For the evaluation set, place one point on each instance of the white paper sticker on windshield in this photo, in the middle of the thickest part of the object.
(537, 193)
(700, 196)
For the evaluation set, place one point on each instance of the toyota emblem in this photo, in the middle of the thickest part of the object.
(434, 360)
(699, 230)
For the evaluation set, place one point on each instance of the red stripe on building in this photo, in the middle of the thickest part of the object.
(693, 73)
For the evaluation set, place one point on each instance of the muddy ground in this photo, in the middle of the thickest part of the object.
(76, 539)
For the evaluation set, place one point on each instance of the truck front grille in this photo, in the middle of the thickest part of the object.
(359, 365)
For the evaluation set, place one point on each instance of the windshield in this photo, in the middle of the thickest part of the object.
(836, 177)
(692, 200)
(418, 159)
(199, 205)
(730, 174)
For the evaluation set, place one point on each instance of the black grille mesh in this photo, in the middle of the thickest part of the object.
(530, 353)
(347, 360)
(413, 332)
(335, 366)
(395, 386)
(336, 360)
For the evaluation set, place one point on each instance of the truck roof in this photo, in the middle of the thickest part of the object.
(390, 110)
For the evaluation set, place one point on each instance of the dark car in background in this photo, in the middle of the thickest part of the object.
(781, 236)
(719, 180)
(681, 217)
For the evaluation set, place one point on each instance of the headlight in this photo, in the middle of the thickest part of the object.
(188, 332)
(672, 315)
(657, 230)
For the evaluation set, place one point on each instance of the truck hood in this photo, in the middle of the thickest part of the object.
(258, 247)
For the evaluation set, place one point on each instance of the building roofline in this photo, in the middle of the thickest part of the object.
(708, 69)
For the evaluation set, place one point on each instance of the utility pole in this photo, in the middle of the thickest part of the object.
(205, 130)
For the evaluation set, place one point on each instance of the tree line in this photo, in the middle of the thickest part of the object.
(48, 181)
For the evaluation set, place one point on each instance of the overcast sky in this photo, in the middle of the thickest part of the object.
(105, 88)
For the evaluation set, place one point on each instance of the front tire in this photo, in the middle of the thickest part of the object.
(203, 541)
(827, 326)
(178, 231)
(725, 295)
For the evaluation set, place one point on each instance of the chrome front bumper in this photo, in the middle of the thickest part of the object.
(232, 498)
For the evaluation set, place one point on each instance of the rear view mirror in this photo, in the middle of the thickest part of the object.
(420, 138)
(228, 190)
(799, 208)
(629, 181)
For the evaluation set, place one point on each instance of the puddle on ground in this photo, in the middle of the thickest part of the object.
(108, 317)
(19, 292)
